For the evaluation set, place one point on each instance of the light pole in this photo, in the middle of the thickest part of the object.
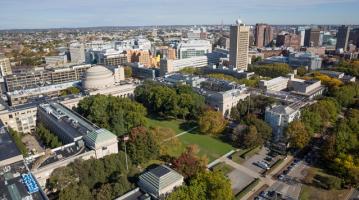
(125, 139)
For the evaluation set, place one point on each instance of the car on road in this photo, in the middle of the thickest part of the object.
(281, 177)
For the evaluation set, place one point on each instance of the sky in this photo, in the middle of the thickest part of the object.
(25, 14)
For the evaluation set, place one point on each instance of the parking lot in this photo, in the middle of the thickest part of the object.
(239, 180)
(260, 157)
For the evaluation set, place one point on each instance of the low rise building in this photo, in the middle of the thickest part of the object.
(278, 117)
(160, 181)
(56, 60)
(313, 62)
(193, 48)
(276, 84)
(170, 66)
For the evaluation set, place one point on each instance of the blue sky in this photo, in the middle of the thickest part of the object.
(85, 13)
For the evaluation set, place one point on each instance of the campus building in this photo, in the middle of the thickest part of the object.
(170, 66)
(193, 48)
(239, 44)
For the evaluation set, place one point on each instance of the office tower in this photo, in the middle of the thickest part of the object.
(263, 35)
(354, 36)
(239, 41)
(312, 37)
(5, 67)
(77, 53)
(343, 37)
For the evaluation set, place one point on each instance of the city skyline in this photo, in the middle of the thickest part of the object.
(32, 14)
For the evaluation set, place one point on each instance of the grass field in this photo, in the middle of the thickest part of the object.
(176, 125)
(310, 192)
(208, 146)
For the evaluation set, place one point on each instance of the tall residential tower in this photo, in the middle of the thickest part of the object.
(239, 41)
(263, 35)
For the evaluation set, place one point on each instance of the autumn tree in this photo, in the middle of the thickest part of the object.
(166, 138)
(250, 138)
(142, 145)
(75, 192)
(188, 163)
(298, 135)
(212, 122)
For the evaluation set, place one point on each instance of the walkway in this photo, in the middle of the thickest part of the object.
(184, 132)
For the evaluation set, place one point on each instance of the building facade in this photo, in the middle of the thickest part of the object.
(343, 37)
(239, 44)
(263, 35)
(312, 37)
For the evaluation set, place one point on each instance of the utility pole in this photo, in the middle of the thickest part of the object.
(124, 140)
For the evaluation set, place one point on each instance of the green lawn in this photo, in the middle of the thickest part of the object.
(223, 167)
(208, 146)
(177, 125)
(310, 192)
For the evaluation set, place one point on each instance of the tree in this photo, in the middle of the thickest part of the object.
(119, 115)
(312, 121)
(128, 72)
(347, 94)
(16, 136)
(142, 145)
(301, 71)
(188, 164)
(212, 122)
(298, 135)
(263, 128)
(75, 192)
(48, 138)
(167, 139)
(61, 178)
(250, 138)
(205, 185)
(271, 70)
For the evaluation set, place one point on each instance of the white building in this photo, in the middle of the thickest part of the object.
(77, 53)
(170, 66)
(278, 117)
(56, 60)
(193, 48)
(276, 84)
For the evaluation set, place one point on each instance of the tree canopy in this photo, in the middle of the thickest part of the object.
(119, 115)
(212, 122)
(298, 135)
(205, 186)
(271, 70)
(179, 102)
(49, 139)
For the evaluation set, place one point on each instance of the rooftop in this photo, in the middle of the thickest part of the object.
(8, 148)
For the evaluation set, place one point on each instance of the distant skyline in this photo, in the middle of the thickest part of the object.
(32, 14)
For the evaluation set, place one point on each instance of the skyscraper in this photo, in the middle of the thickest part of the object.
(239, 41)
(263, 35)
(312, 37)
(343, 37)
(5, 67)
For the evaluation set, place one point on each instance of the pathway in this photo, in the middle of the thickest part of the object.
(184, 132)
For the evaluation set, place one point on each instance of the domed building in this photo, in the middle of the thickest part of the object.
(98, 77)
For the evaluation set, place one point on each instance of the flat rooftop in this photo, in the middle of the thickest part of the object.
(8, 148)
(14, 187)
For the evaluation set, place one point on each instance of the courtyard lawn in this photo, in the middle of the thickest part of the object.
(176, 125)
(208, 146)
(310, 192)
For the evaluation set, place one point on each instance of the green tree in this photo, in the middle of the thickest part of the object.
(312, 121)
(263, 129)
(298, 135)
(119, 115)
(16, 136)
(75, 192)
(250, 138)
(48, 138)
(205, 186)
(271, 70)
(128, 72)
(301, 71)
(212, 122)
(167, 139)
(142, 146)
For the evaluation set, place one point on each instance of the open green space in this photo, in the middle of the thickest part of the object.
(223, 167)
(310, 192)
(176, 125)
(208, 146)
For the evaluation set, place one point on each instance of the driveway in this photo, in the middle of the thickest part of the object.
(239, 180)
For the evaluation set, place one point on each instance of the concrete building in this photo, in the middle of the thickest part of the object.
(160, 181)
(313, 62)
(141, 72)
(239, 44)
(5, 67)
(312, 37)
(193, 48)
(71, 127)
(276, 84)
(224, 42)
(278, 117)
(170, 66)
(22, 118)
(77, 53)
(167, 52)
(141, 56)
(56, 60)
(288, 40)
(40, 78)
(263, 35)
(343, 37)
(215, 56)
(307, 88)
